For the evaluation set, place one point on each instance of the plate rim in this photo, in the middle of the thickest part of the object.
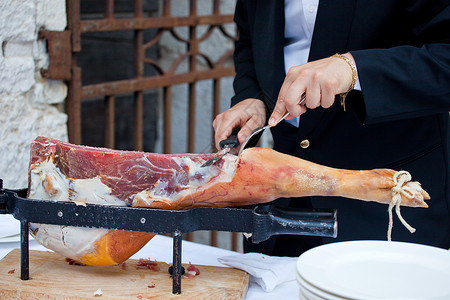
(343, 291)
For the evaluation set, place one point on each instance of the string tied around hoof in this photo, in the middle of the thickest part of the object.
(400, 178)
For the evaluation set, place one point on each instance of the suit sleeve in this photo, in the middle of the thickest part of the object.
(408, 81)
(245, 83)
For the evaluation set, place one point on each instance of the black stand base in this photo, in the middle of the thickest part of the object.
(25, 258)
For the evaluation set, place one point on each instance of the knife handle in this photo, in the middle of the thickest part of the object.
(232, 141)
(277, 220)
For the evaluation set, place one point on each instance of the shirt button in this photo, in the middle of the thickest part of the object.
(311, 8)
(304, 144)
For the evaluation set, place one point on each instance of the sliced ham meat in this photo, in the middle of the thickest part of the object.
(61, 171)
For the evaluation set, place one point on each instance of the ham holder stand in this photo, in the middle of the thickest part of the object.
(261, 221)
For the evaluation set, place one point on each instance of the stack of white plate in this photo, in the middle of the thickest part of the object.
(374, 270)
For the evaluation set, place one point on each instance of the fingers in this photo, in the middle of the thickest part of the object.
(278, 112)
(246, 115)
(319, 81)
(327, 95)
(313, 94)
(294, 86)
(254, 122)
(223, 126)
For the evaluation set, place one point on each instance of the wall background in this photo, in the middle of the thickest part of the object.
(29, 105)
(214, 47)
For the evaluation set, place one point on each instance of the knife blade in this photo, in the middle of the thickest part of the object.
(225, 146)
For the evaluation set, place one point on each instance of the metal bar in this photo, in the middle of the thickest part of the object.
(166, 9)
(130, 218)
(73, 23)
(176, 268)
(152, 23)
(167, 120)
(216, 96)
(193, 8)
(138, 130)
(213, 238)
(193, 48)
(191, 117)
(263, 221)
(24, 250)
(109, 9)
(109, 121)
(73, 103)
(216, 7)
(216, 106)
(234, 241)
(73, 106)
(138, 8)
(140, 84)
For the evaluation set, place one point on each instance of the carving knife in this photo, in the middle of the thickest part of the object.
(225, 146)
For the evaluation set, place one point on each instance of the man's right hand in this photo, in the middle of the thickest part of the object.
(246, 115)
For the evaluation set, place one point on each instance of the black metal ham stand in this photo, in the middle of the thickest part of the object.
(260, 221)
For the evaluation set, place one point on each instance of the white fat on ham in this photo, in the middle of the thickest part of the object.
(226, 172)
(48, 183)
(68, 241)
(198, 177)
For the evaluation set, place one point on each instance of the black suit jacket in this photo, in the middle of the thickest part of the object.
(400, 120)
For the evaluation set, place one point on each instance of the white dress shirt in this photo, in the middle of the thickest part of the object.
(300, 17)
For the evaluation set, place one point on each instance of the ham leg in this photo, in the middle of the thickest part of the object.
(61, 171)
(262, 175)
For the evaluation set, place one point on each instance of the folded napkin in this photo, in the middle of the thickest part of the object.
(267, 271)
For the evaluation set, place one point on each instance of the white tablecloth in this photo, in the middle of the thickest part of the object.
(160, 249)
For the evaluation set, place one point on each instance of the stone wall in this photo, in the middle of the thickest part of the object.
(29, 104)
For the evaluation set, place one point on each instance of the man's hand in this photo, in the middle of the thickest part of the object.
(246, 115)
(319, 80)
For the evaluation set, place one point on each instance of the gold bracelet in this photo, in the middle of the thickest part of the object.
(354, 77)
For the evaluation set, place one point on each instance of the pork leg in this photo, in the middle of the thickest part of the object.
(263, 175)
(61, 171)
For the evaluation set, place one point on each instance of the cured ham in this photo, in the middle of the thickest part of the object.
(62, 171)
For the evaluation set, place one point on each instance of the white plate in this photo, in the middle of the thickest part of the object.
(313, 293)
(377, 270)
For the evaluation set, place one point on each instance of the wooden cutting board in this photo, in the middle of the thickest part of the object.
(51, 277)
